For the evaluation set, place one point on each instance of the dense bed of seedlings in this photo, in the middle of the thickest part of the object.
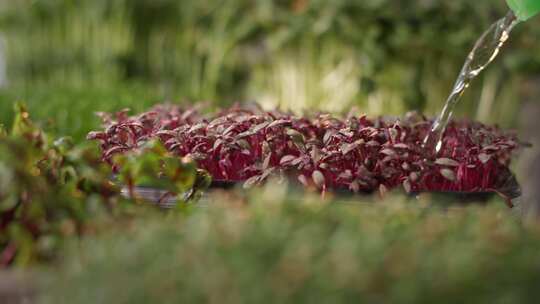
(356, 153)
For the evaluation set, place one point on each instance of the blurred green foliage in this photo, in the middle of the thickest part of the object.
(385, 57)
(70, 111)
(272, 246)
(152, 166)
(51, 189)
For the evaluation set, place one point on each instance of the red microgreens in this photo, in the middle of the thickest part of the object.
(359, 154)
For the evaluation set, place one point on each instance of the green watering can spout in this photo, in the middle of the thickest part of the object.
(524, 9)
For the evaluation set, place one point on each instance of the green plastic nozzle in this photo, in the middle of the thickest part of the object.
(524, 9)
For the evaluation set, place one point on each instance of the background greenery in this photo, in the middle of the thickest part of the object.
(381, 56)
(70, 58)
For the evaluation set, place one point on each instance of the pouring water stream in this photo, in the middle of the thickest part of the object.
(484, 52)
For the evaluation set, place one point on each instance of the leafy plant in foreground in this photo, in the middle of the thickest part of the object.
(152, 166)
(48, 190)
(53, 189)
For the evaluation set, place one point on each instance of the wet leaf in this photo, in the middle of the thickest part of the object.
(383, 190)
(218, 121)
(279, 123)
(347, 133)
(217, 144)
(266, 162)
(114, 150)
(166, 133)
(354, 186)
(318, 178)
(446, 162)
(295, 135)
(250, 182)
(448, 174)
(287, 159)
(346, 175)
(405, 166)
(96, 135)
(243, 144)
(316, 154)
(360, 142)
(267, 172)
(388, 152)
(244, 134)
(491, 148)
(260, 127)
(484, 158)
(373, 143)
(230, 129)
(265, 146)
(407, 186)
(346, 148)
(401, 146)
(302, 179)
(197, 127)
(328, 136)
(393, 134)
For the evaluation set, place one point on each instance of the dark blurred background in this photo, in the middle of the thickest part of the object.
(70, 58)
